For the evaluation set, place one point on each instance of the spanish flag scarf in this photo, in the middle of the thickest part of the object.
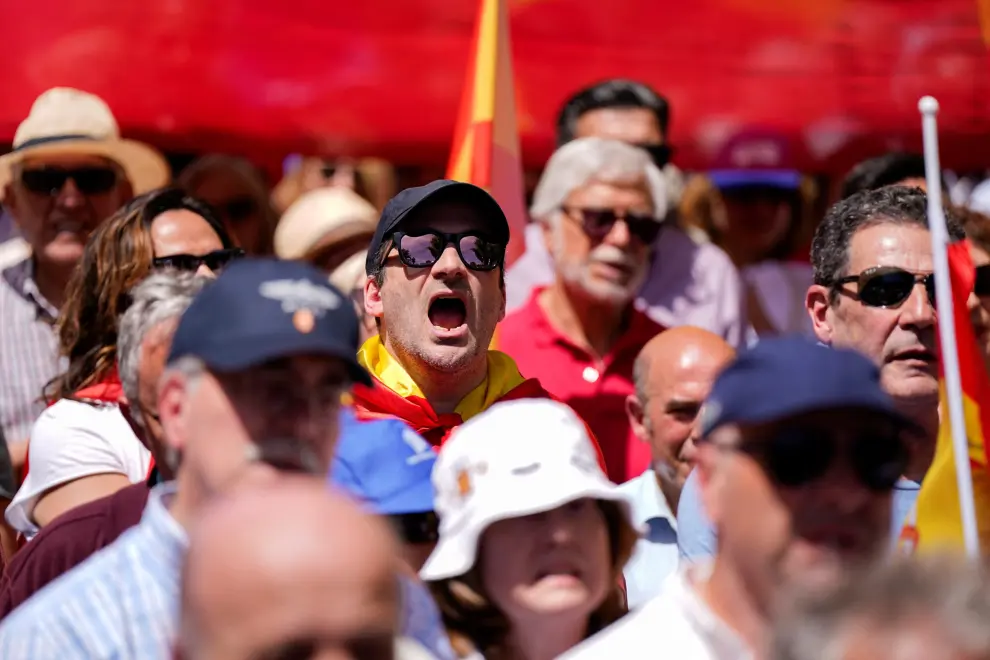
(395, 394)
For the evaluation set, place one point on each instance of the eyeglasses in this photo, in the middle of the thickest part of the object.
(981, 286)
(215, 261)
(659, 153)
(424, 249)
(887, 286)
(795, 456)
(238, 209)
(50, 180)
(417, 527)
(597, 223)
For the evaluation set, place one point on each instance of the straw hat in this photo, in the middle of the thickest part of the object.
(322, 218)
(67, 121)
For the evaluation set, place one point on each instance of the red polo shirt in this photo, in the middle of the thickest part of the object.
(595, 388)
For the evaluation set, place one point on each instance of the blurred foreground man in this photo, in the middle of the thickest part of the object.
(929, 608)
(68, 171)
(600, 205)
(436, 288)
(687, 283)
(673, 374)
(252, 389)
(801, 448)
(314, 591)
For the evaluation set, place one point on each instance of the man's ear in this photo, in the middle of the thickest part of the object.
(373, 299)
(636, 415)
(172, 397)
(819, 306)
(710, 481)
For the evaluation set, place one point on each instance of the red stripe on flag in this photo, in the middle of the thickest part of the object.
(481, 158)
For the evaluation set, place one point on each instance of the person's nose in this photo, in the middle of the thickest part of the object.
(841, 489)
(70, 197)
(449, 265)
(205, 271)
(918, 310)
(561, 526)
(619, 235)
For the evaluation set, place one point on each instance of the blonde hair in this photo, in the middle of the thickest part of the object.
(474, 622)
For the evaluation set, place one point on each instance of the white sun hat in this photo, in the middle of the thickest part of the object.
(68, 121)
(515, 459)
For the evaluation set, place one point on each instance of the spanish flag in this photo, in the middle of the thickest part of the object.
(486, 141)
(938, 515)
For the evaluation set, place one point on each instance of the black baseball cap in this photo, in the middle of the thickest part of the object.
(262, 309)
(404, 203)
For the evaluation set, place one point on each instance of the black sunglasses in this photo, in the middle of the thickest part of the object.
(981, 286)
(50, 180)
(887, 286)
(795, 456)
(215, 261)
(424, 249)
(597, 223)
(417, 527)
(659, 153)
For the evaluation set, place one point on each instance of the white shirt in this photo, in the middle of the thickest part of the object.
(72, 440)
(675, 624)
(655, 556)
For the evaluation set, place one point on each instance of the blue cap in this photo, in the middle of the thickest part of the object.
(385, 464)
(262, 309)
(788, 376)
(404, 203)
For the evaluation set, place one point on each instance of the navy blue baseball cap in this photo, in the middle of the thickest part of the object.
(408, 200)
(788, 376)
(262, 309)
(384, 464)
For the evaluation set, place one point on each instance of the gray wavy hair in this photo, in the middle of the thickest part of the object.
(584, 160)
(158, 298)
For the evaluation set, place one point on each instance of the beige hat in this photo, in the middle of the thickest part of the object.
(322, 218)
(68, 121)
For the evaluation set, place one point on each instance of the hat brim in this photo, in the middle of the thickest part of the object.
(455, 554)
(144, 167)
(247, 352)
(460, 191)
(729, 179)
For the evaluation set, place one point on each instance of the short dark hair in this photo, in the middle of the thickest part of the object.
(882, 171)
(615, 93)
(976, 225)
(896, 205)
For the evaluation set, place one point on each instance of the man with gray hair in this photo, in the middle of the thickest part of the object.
(143, 342)
(600, 204)
(930, 607)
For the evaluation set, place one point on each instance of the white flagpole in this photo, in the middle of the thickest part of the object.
(928, 107)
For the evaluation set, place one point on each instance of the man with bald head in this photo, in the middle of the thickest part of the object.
(313, 590)
(673, 374)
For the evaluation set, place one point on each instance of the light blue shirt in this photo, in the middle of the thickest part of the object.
(697, 538)
(123, 602)
(655, 554)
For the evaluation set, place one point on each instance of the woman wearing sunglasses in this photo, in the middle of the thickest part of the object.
(81, 448)
(533, 536)
(977, 228)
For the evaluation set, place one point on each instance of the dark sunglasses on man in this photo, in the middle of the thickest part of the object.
(49, 181)
(597, 223)
(796, 455)
(215, 261)
(423, 249)
(889, 286)
(659, 153)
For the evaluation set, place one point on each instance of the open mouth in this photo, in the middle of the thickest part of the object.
(447, 312)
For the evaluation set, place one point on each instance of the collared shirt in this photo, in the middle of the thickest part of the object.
(655, 555)
(120, 603)
(29, 355)
(596, 388)
(689, 283)
(677, 621)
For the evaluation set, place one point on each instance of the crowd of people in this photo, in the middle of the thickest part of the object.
(690, 421)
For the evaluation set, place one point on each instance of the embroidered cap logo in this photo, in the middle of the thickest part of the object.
(300, 294)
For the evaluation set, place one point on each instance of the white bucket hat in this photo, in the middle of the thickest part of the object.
(322, 218)
(68, 121)
(513, 460)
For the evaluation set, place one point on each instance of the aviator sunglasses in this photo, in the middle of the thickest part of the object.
(889, 286)
(597, 223)
(795, 456)
(423, 249)
(215, 261)
(50, 180)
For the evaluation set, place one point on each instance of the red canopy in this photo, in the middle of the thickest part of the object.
(383, 77)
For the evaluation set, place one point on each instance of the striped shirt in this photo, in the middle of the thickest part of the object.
(123, 602)
(28, 350)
